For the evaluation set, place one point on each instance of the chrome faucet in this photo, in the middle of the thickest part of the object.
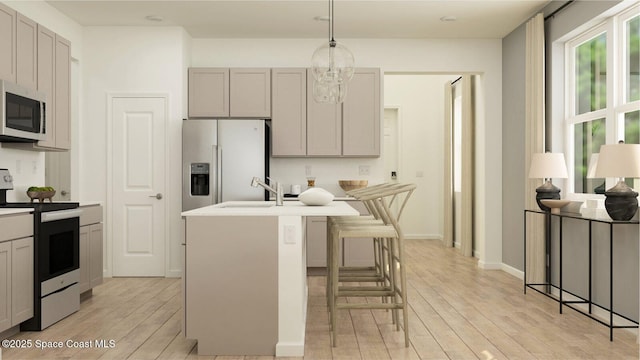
(277, 192)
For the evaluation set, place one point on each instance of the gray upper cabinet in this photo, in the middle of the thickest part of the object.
(7, 43)
(26, 52)
(208, 92)
(361, 115)
(223, 92)
(324, 125)
(44, 63)
(289, 112)
(250, 92)
(62, 93)
(46, 79)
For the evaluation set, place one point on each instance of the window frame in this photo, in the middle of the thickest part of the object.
(617, 104)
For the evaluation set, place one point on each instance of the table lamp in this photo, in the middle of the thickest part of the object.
(547, 166)
(621, 161)
(591, 173)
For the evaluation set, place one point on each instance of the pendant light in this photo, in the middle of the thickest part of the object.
(332, 68)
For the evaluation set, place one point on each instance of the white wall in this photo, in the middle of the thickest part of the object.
(134, 60)
(420, 99)
(445, 56)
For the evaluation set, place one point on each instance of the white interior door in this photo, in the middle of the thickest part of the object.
(138, 185)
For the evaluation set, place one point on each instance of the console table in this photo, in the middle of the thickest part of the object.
(572, 303)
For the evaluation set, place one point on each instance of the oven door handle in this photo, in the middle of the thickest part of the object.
(60, 215)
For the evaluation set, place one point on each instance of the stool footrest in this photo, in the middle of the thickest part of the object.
(369, 306)
(361, 278)
(367, 293)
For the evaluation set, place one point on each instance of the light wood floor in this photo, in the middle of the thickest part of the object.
(457, 312)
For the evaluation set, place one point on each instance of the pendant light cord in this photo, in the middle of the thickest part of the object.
(331, 18)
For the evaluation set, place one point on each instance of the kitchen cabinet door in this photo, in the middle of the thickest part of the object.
(324, 125)
(5, 285)
(208, 92)
(46, 80)
(7, 43)
(361, 114)
(62, 93)
(84, 283)
(21, 280)
(250, 92)
(95, 254)
(26, 50)
(91, 248)
(316, 235)
(289, 112)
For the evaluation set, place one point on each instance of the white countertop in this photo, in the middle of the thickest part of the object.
(12, 211)
(260, 208)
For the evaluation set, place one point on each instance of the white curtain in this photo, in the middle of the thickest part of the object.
(534, 143)
(448, 165)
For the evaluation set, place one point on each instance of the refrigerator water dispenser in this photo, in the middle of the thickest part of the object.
(200, 179)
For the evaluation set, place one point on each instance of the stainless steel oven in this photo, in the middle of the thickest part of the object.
(57, 264)
(58, 243)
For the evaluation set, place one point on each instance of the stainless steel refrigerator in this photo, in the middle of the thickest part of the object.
(219, 159)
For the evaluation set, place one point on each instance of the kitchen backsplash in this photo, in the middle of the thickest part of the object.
(327, 171)
(26, 168)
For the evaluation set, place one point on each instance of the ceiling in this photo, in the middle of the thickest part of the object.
(417, 19)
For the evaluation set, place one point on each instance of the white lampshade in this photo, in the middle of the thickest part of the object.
(593, 165)
(547, 166)
(619, 160)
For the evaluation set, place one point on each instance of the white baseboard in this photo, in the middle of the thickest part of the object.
(513, 271)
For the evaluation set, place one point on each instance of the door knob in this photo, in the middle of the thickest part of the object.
(157, 196)
(63, 192)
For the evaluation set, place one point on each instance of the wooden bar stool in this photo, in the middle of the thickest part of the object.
(391, 285)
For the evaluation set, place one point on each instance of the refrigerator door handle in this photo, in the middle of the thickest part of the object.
(218, 159)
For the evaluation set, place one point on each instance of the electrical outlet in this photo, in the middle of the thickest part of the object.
(307, 170)
(419, 173)
(363, 170)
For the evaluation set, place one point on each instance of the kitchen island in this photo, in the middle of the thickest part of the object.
(245, 280)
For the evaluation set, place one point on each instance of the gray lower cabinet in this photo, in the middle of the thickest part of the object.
(16, 270)
(316, 234)
(355, 251)
(91, 234)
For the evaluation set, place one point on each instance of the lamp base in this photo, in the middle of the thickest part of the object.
(621, 202)
(547, 191)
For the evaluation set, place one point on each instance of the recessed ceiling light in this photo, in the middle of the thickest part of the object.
(321, 18)
(157, 18)
(448, 18)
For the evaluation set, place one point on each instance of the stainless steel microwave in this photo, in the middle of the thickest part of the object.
(23, 113)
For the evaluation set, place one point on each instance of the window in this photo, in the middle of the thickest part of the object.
(603, 93)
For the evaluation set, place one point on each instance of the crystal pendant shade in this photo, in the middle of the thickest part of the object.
(329, 91)
(332, 60)
(332, 68)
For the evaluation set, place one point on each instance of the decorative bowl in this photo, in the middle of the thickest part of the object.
(555, 204)
(41, 195)
(348, 185)
(315, 197)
